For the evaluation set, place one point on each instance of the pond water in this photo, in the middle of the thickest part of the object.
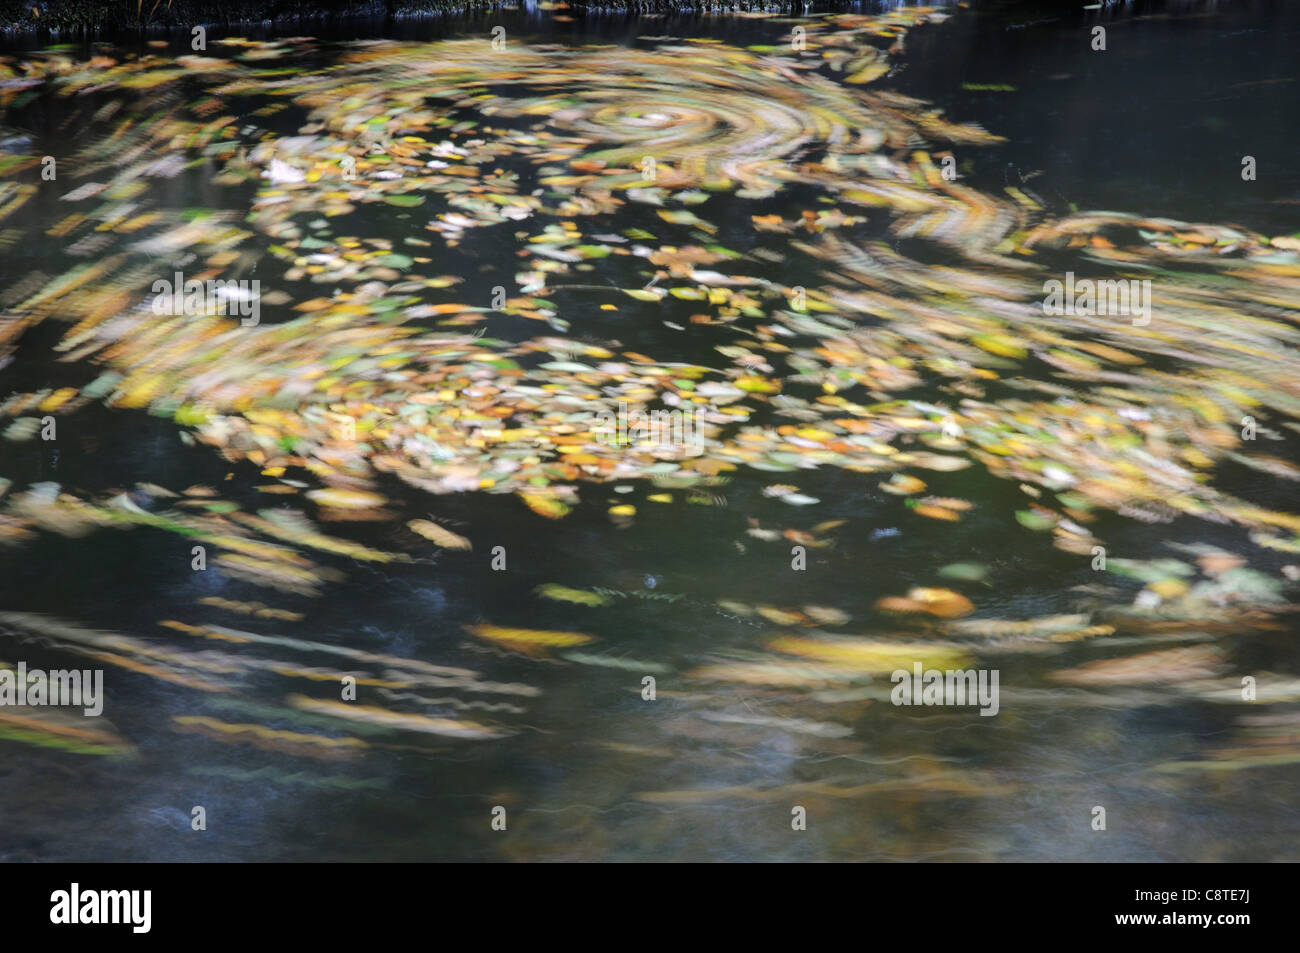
(463, 252)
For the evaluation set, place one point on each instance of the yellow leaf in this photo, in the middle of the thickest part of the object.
(543, 504)
(558, 593)
(867, 655)
(346, 499)
(529, 641)
(438, 535)
(999, 344)
(874, 71)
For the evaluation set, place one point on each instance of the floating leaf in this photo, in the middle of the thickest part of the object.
(870, 655)
(439, 535)
(529, 641)
(545, 505)
(582, 597)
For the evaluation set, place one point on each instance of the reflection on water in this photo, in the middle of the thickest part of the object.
(364, 567)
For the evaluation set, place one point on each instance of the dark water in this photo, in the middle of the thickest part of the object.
(587, 769)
